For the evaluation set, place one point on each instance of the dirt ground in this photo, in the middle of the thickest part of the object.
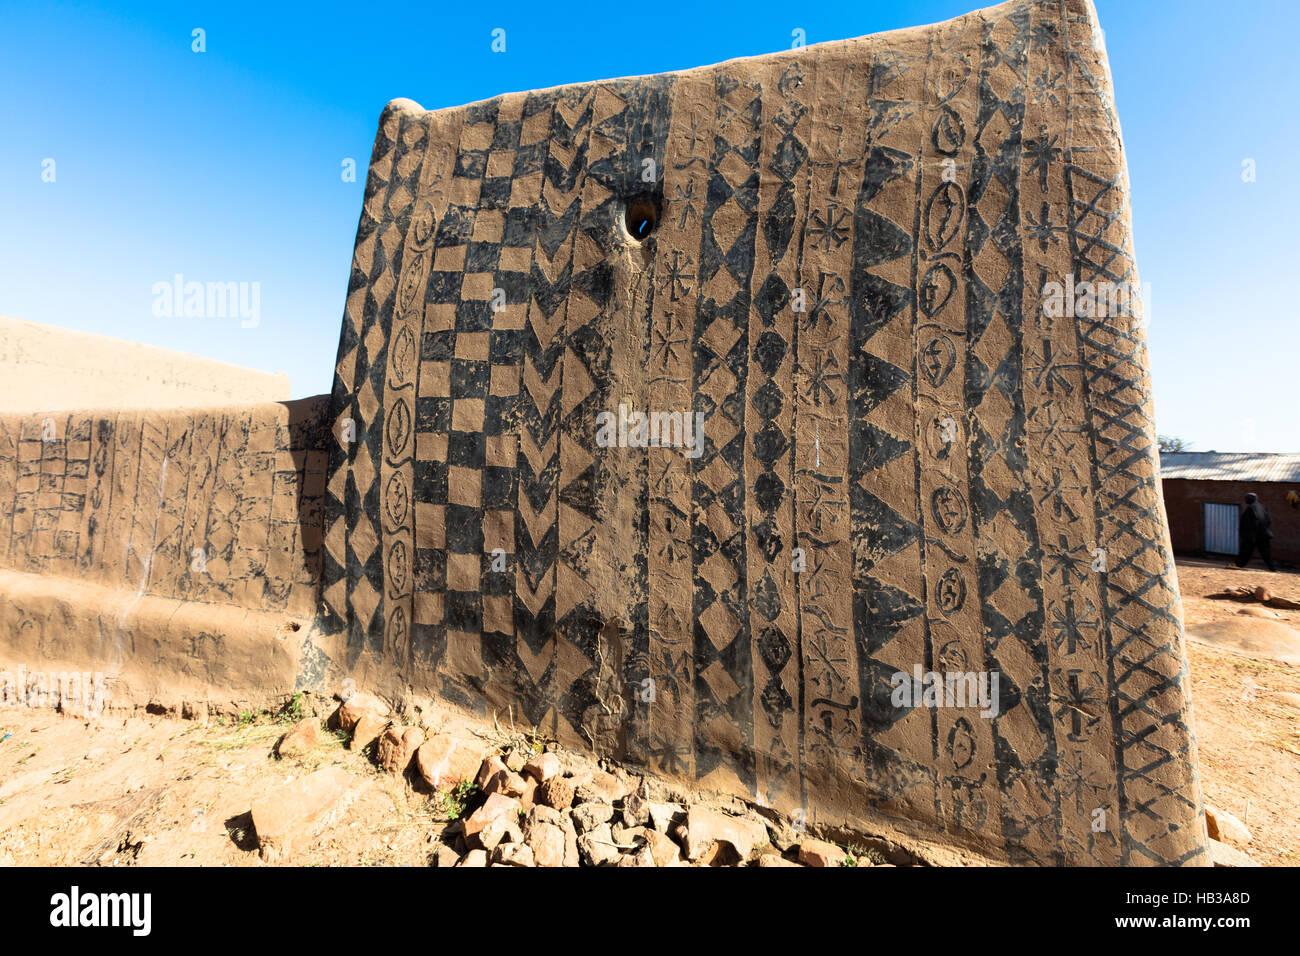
(1247, 729)
(156, 791)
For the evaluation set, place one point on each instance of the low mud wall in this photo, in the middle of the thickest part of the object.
(175, 552)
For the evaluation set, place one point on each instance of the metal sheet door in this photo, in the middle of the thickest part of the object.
(1220, 528)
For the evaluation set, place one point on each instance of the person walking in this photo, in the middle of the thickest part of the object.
(1254, 529)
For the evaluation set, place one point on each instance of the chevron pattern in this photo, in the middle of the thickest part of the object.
(906, 463)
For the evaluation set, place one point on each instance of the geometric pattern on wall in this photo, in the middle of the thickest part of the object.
(907, 460)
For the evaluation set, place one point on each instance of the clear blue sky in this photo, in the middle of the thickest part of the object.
(226, 165)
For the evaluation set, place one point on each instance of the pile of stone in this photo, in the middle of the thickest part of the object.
(554, 807)
(548, 809)
(548, 806)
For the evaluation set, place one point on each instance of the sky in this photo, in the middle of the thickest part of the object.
(228, 165)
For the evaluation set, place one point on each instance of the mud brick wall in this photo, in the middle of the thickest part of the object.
(176, 550)
(1183, 498)
(125, 499)
(947, 456)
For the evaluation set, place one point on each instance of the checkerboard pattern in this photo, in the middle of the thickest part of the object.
(894, 442)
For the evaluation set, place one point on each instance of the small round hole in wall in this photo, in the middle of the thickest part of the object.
(640, 217)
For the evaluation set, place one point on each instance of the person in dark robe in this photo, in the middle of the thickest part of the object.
(1255, 530)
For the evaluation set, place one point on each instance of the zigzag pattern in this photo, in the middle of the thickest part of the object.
(839, 285)
(1149, 677)
(546, 379)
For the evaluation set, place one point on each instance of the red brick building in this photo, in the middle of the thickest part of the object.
(1204, 492)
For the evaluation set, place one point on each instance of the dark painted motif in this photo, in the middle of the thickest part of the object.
(905, 462)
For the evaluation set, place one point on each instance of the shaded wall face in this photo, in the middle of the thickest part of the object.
(211, 506)
(905, 464)
(1184, 499)
(172, 557)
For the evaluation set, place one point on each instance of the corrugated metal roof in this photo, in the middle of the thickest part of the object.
(1229, 466)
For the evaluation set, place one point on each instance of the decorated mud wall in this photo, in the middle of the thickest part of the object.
(906, 459)
(782, 427)
(177, 552)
